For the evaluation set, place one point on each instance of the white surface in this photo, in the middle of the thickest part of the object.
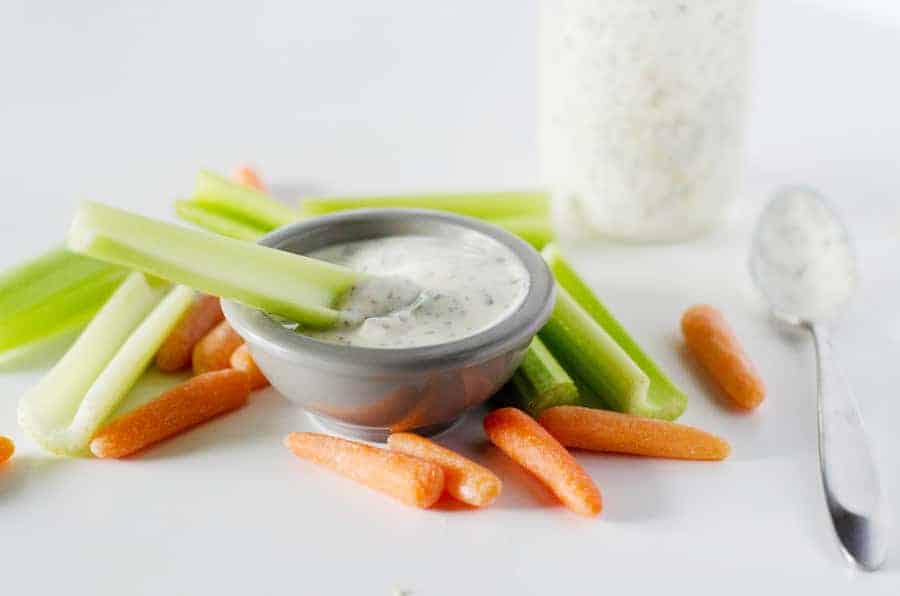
(123, 104)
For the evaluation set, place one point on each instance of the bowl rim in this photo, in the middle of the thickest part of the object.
(509, 333)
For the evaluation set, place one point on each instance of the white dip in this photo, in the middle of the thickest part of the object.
(802, 259)
(641, 113)
(464, 285)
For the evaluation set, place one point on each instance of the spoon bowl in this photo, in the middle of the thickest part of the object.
(802, 259)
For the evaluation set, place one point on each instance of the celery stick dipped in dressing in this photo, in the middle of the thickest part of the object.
(424, 290)
(434, 289)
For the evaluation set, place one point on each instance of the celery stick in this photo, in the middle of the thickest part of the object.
(16, 283)
(220, 223)
(126, 367)
(587, 351)
(535, 230)
(540, 382)
(664, 399)
(243, 203)
(23, 274)
(589, 398)
(484, 205)
(46, 411)
(276, 281)
(39, 354)
(30, 283)
(59, 313)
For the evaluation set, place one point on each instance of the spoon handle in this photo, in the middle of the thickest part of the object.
(853, 491)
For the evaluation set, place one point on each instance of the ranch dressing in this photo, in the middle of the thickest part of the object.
(641, 114)
(802, 258)
(425, 290)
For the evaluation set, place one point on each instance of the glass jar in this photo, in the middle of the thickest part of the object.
(642, 109)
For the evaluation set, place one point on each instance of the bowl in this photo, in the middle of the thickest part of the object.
(370, 392)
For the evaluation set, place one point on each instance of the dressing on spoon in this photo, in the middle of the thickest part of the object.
(802, 260)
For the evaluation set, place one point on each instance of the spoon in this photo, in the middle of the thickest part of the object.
(803, 263)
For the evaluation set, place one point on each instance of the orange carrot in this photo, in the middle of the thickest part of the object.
(463, 479)
(7, 448)
(600, 430)
(200, 399)
(412, 480)
(243, 361)
(247, 176)
(532, 447)
(214, 351)
(715, 345)
(175, 352)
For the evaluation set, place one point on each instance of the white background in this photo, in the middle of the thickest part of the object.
(124, 103)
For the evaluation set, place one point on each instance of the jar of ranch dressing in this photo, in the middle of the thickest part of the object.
(642, 106)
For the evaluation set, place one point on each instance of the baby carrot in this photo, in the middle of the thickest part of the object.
(247, 176)
(412, 480)
(601, 430)
(715, 345)
(214, 351)
(175, 352)
(463, 479)
(243, 361)
(189, 404)
(7, 448)
(532, 447)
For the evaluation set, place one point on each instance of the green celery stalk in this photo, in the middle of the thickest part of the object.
(535, 230)
(220, 223)
(59, 313)
(33, 282)
(46, 411)
(589, 398)
(241, 202)
(231, 209)
(664, 398)
(588, 352)
(276, 281)
(541, 382)
(483, 205)
(22, 275)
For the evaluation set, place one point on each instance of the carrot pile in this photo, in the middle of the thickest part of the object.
(464, 480)
(412, 480)
(224, 375)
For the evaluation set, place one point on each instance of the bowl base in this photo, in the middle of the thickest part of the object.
(374, 435)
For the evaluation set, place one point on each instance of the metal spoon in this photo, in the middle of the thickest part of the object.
(803, 263)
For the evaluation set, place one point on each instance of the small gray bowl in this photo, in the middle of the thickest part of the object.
(370, 392)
